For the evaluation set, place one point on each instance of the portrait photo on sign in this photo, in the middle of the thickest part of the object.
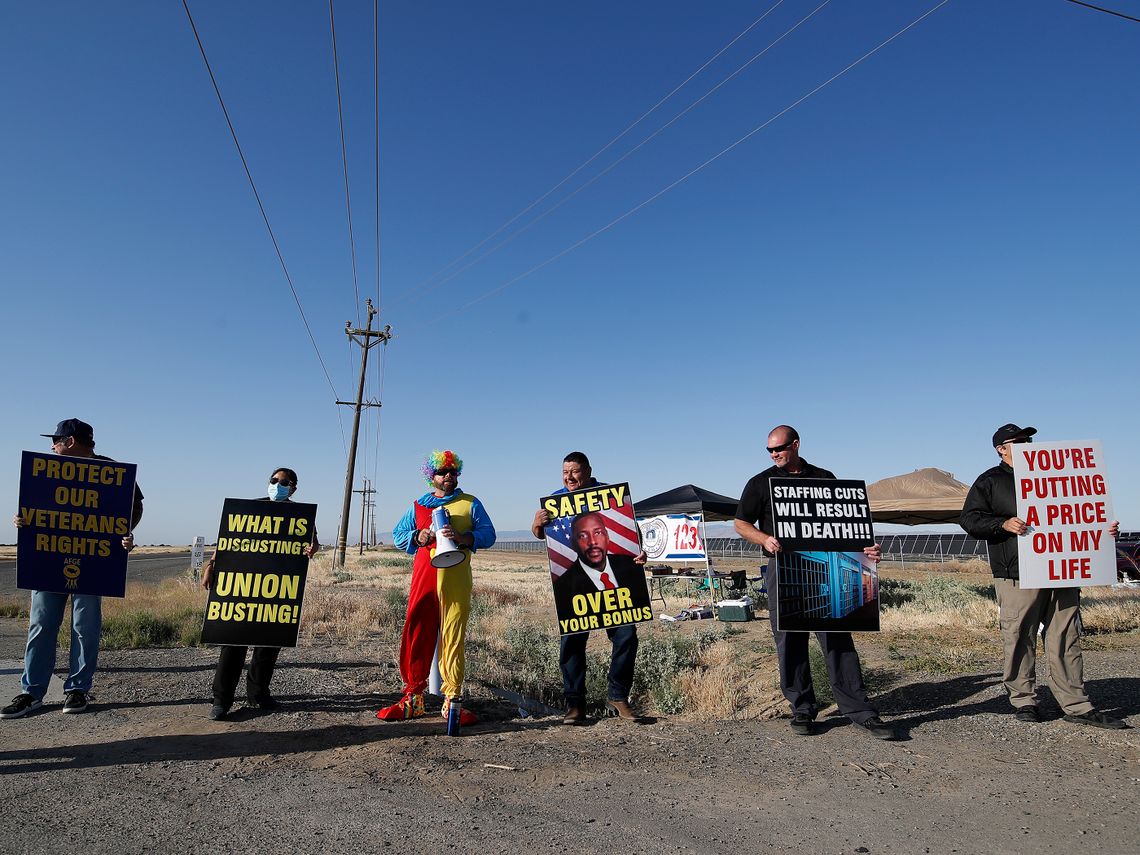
(826, 592)
(591, 543)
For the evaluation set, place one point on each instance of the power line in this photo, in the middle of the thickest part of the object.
(376, 86)
(344, 162)
(596, 154)
(697, 169)
(260, 206)
(677, 117)
(1106, 11)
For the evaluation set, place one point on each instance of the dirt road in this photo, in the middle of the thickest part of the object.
(145, 769)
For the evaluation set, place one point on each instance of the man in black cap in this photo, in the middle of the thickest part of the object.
(754, 511)
(71, 438)
(990, 514)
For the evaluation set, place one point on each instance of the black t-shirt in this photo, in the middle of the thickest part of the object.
(755, 506)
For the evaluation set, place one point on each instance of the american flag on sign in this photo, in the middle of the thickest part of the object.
(620, 525)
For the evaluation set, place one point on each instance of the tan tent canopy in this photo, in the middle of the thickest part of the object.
(923, 496)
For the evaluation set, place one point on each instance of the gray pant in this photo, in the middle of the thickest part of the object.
(1020, 610)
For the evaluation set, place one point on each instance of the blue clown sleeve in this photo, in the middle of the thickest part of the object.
(483, 529)
(406, 527)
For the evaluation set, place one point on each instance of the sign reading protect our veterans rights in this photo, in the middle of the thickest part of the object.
(76, 512)
(591, 541)
(821, 514)
(260, 568)
(1062, 495)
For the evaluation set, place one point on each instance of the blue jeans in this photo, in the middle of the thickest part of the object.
(572, 659)
(43, 632)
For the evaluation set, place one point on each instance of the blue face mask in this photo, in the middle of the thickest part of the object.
(278, 492)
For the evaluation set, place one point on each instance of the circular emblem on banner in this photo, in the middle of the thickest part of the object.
(71, 573)
(655, 538)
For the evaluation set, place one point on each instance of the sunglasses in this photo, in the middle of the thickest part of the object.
(285, 482)
(778, 448)
(446, 471)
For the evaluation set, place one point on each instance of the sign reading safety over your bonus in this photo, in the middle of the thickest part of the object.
(260, 568)
(591, 542)
(75, 512)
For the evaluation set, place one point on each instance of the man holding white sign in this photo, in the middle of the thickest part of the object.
(993, 512)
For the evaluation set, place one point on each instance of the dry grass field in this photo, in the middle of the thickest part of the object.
(936, 619)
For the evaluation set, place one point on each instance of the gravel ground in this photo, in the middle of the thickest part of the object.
(146, 768)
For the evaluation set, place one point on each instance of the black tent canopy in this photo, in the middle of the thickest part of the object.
(688, 499)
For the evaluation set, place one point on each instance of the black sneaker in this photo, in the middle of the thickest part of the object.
(803, 724)
(877, 728)
(219, 711)
(21, 705)
(266, 703)
(1029, 714)
(1095, 718)
(75, 702)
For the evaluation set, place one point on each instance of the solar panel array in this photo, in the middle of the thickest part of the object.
(897, 545)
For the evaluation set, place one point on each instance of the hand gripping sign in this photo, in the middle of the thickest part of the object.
(1062, 495)
(259, 573)
(591, 542)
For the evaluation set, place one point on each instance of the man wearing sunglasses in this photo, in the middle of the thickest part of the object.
(990, 514)
(754, 522)
(439, 599)
(71, 438)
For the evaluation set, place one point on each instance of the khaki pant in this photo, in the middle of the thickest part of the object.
(1020, 611)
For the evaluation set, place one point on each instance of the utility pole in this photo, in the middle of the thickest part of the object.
(365, 505)
(368, 338)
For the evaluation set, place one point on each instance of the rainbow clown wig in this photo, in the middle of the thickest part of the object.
(438, 460)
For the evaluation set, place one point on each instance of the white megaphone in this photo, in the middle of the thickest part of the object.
(447, 554)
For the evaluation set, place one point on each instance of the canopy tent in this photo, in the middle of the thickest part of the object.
(688, 499)
(921, 497)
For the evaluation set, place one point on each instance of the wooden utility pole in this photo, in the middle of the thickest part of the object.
(365, 504)
(368, 338)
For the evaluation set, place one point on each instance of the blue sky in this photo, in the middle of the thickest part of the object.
(937, 242)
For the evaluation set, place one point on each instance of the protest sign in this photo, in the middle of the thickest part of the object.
(821, 514)
(260, 568)
(1062, 495)
(591, 542)
(824, 582)
(75, 512)
(673, 537)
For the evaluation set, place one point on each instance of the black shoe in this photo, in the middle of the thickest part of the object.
(266, 703)
(1096, 718)
(803, 724)
(877, 728)
(1029, 714)
(75, 702)
(219, 711)
(21, 705)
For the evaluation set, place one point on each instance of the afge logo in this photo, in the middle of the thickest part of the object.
(655, 538)
(71, 572)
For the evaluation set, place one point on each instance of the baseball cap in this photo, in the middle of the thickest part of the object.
(1011, 431)
(82, 431)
